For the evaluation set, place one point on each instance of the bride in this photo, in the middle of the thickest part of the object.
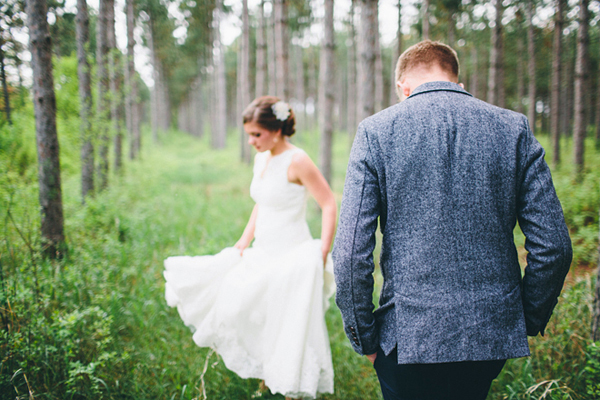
(262, 307)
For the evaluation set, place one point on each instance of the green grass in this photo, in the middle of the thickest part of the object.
(95, 324)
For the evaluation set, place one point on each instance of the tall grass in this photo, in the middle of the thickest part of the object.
(95, 324)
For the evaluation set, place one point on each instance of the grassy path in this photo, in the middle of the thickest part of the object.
(101, 328)
(184, 198)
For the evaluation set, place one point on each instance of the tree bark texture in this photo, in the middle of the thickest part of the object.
(132, 92)
(4, 84)
(219, 130)
(531, 66)
(44, 103)
(261, 52)
(555, 101)
(474, 81)
(271, 55)
(379, 92)
(495, 83)
(425, 20)
(114, 96)
(596, 314)
(351, 105)
(395, 55)
(368, 14)
(300, 92)
(280, 10)
(85, 98)
(580, 122)
(154, 103)
(326, 91)
(245, 79)
(102, 106)
(520, 74)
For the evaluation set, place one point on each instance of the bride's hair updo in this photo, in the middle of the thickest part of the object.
(272, 114)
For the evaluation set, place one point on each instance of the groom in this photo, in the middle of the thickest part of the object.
(446, 176)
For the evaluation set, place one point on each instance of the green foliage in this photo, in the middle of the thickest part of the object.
(95, 324)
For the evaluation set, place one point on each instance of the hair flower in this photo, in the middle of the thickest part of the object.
(281, 110)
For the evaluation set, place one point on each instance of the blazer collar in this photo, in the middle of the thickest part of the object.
(437, 86)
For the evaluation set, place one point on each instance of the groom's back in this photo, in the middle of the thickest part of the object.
(449, 166)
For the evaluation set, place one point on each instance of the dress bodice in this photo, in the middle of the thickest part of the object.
(281, 221)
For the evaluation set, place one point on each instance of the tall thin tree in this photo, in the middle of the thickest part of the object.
(495, 83)
(131, 81)
(351, 106)
(280, 10)
(113, 84)
(529, 10)
(219, 131)
(581, 70)
(368, 13)
(326, 91)
(425, 19)
(85, 99)
(379, 91)
(44, 105)
(555, 103)
(261, 51)
(396, 54)
(4, 84)
(245, 77)
(102, 108)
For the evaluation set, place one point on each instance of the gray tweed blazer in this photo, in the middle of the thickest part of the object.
(447, 176)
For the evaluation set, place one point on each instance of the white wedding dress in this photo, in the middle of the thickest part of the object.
(264, 312)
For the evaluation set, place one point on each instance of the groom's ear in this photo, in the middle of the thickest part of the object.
(404, 88)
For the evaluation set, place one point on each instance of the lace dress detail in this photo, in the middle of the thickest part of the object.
(263, 312)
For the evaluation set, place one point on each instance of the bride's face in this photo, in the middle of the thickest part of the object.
(262, 139)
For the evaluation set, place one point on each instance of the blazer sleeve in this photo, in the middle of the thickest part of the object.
(354, 245)
(547, 238)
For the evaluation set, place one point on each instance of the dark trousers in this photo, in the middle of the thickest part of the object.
(468, 380)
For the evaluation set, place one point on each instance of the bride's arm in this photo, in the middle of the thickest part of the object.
(248, 234)
(305, 172)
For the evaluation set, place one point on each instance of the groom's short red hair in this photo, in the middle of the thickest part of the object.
(427, 54)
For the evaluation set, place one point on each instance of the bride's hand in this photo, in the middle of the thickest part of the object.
(325, 253)
(241, 245)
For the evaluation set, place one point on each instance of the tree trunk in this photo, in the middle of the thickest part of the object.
(597, 121)
(351, 106)
(596, 315)
(280, 10)
(580, 123)
(396, 54)
(114, 96)
(271, 55)
(154, 106)
(368, 14)
(245, 80)
(495, 84)
(300, 92)
(555, 103)
(531, 65)
(520, 74)
(261, 52)
(44, 103)
(85, 97)
(219, 131)
(4, 84)
(326, 91)
(379, 93)
(425, 21)
(102, 104)
(474, 81)
(132, 93)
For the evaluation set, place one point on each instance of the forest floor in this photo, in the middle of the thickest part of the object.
(184, 198)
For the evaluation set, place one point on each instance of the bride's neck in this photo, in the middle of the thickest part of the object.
(280, 147)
